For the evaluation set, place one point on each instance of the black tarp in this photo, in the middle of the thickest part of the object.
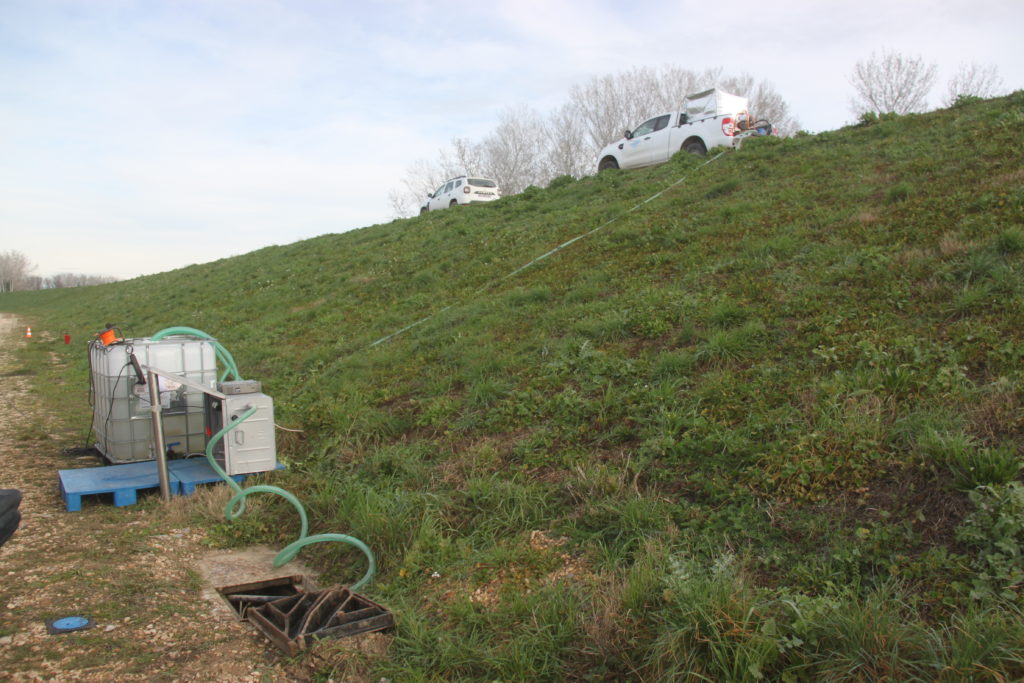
(10, 517)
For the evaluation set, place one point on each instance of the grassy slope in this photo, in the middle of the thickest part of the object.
(750, 405)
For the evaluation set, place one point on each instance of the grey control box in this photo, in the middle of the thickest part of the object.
(248, 447)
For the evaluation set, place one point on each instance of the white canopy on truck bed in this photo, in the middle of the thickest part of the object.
(714, 102)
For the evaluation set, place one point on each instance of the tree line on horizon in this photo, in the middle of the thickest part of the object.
(17, 273)
(529, 148)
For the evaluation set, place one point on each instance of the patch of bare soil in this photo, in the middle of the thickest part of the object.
(144, 574)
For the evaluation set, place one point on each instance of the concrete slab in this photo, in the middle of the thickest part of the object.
(232, 567)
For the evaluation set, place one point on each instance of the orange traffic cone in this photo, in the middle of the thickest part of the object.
(28, 333)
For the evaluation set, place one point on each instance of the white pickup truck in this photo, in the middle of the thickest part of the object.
(713, 118)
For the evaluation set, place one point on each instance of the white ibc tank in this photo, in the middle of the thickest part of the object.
(122, 420)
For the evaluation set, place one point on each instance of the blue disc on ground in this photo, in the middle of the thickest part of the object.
(67, 624)
(70, 622)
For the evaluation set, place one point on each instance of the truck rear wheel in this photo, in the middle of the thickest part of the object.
(695, 147)
(607, 163)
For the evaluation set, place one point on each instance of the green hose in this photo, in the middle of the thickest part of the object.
(222, 353)
(236, 506)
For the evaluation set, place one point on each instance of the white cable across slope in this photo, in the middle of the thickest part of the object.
(543, 256)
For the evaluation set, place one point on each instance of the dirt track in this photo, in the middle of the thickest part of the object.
(140, 572)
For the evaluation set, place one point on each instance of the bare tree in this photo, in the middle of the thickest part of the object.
(464, 158)
(569, 153)
(891, 83)
(401, 205)
(515, 154)
(15, 271)
(766, 103)
(974, 80)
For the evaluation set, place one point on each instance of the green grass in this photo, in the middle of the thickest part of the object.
(753, 408)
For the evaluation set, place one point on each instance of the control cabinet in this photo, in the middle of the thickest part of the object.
(249, 447)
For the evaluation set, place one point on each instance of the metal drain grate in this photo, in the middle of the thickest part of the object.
(293, 618)
(293, 623)
(242, 596)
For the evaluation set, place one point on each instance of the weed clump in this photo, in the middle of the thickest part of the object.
(970, 464)
(1010, 241)
(561, 181)
(900, 192)
(996, 529)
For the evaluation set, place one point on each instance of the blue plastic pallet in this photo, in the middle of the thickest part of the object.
(194, 471)
(126, 480)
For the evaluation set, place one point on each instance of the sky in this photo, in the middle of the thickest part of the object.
(140, 136)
